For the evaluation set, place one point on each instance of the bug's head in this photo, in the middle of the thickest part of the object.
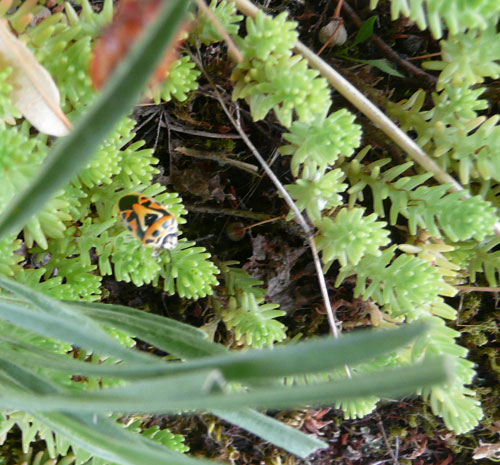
(169, 241)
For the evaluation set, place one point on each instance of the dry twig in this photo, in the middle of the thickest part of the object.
(233, 50)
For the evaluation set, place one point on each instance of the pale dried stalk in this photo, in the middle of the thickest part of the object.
(298, 215)
(219, 158)
(233, 50)
(286, 196)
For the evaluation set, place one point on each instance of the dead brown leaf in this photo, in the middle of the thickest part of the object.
(487, 451)
(34, 92)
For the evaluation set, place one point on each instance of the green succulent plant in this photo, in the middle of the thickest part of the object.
(76, 239)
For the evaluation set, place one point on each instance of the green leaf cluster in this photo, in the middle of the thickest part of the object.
(7, 110)
(458, 16)
(246, 313)
(350, 236)
(205, 32)
(404, 286)
(182, 79)
(317, 144)
(319, 194)
(468, 59)
(270, 77)
(9, 260)
(453, 132)
(433, 208)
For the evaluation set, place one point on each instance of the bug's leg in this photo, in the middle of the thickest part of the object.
(171, 264)
(155, 252)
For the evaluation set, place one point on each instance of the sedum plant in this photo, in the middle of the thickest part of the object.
(458, 16)
(247, 314)
(79, 223)
(402, 285)
(63, 43)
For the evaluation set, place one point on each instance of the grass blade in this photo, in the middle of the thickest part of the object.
(51, 317)
(319, 355)
(169, 335)
(388, 383)
(273, 431)
(138, 317)
(74, 151)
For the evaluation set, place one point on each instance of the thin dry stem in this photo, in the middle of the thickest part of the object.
(386, 441)
(288, 199)
(477, 289)
(219, 158)
(298, 215)
(336, 14)
(233, 50)
(270, 220)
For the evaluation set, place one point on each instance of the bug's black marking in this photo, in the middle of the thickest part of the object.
(127, 201)
(149, 219)
(132, 223)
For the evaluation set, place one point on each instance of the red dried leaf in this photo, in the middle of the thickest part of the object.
(130, 19)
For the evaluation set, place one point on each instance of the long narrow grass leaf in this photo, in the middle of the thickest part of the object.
(74, 151)
(322, 354)
(388, 383)
(51, 317)
(169, 335)
(137, 317)
(273, 431)
(159, 333)
(315, 355)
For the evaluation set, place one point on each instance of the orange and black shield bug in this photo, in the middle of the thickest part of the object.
(149, 221)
